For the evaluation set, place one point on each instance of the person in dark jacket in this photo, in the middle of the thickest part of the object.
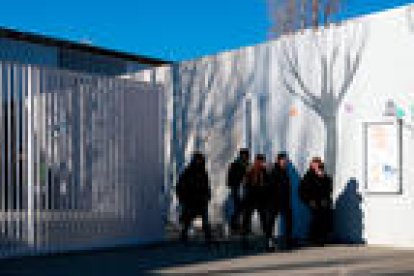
(236, 174)
(316, 192)
(255, 193)
(279, 193)
(193, 192)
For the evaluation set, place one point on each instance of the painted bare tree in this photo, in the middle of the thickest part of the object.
(337, 51)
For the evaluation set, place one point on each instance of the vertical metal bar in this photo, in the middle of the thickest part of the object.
(2, 153)
(2, 172)
(60, 148)
(9, 148)
(30, 160)
(46, 89)
(38, 120)
(68, 143)
(47, 204)
(17, 101)
(81, 149)
(43, 189)
(52, 133)
(23, 153)
(55, 139)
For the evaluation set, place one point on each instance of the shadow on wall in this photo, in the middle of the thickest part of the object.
(348, 214)
(207, 114)
(300, 212)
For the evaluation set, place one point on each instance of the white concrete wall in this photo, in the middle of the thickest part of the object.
(368, 61)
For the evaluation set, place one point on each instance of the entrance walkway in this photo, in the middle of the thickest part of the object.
(196, 259)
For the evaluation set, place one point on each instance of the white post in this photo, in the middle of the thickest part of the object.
(30, 160)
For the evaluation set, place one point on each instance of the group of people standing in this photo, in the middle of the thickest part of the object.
(259, 187)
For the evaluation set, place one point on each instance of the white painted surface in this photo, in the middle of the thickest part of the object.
(209, 96)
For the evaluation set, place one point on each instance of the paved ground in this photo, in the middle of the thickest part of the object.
(196, 259)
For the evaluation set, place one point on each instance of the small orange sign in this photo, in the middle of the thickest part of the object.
(293, 111)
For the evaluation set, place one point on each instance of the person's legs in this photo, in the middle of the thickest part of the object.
(326, 226)
(206, 224)
(235, 218)
(319, 227)
(186, 219)
(247, 216)
(267, 217)
(313, 227)
(286, 214)
(270, 224)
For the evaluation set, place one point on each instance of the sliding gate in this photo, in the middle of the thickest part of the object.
(81, 160)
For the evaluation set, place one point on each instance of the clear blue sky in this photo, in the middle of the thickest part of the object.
(169, 29)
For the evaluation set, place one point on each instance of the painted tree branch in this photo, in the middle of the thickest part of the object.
(350, 72)
(294, 70)
(306, 101)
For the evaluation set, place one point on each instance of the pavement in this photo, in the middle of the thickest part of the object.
(220, 258)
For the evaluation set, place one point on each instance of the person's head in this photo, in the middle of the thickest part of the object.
(198, 159)
(282, 159)
(316, 164)
(260, 160)
(244, 155)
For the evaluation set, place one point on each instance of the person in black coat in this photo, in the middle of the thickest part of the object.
(255, 193)
(279, 192)
(236, 173)
(316, 192)
(193, 192)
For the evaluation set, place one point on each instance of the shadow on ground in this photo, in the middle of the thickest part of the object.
(226, 257)
(131, 260)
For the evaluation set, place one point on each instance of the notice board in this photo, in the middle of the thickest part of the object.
(383, 157)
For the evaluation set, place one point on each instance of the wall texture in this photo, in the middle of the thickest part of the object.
(310, 94)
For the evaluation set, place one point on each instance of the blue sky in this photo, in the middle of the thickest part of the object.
(168, 29)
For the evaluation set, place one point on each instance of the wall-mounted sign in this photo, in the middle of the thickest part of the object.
(383, 157)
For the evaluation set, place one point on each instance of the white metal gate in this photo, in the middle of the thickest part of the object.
(81, 160)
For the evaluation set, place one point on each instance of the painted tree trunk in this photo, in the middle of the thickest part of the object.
(331, 140)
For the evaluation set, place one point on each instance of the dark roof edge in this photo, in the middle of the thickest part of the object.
(66, 44)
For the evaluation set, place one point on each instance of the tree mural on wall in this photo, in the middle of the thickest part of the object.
(337, 54)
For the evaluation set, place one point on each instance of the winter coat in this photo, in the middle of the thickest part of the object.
(193, 187)
(236, 173)
(316, 191)
(279, 188)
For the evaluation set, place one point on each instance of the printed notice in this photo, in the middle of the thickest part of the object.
(383, 158)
